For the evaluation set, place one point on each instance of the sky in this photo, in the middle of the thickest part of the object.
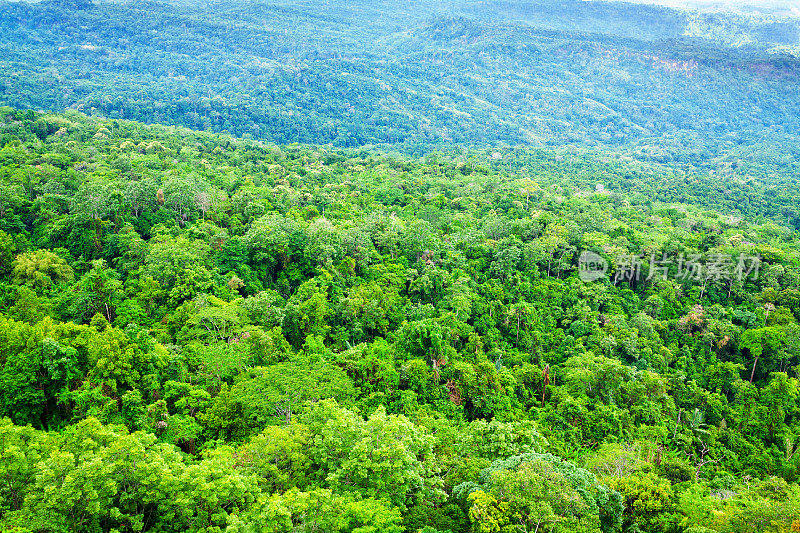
(782, 6)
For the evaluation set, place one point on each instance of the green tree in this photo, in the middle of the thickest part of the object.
(384, 456)
(533, 491)
(40, 269)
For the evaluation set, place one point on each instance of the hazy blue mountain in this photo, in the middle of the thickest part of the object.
(671, 85)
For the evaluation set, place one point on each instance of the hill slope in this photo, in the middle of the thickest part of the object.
(415, 75)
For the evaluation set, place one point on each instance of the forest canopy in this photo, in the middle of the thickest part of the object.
(438, 266)
(200, 332)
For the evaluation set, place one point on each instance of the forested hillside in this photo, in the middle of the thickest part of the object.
(654, 82)
(203, 333)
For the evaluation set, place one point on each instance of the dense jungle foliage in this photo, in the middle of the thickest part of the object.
(207, 333)
(400, 324)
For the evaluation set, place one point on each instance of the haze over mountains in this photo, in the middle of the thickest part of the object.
(778, 7)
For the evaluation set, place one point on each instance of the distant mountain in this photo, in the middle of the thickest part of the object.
(658, 83)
